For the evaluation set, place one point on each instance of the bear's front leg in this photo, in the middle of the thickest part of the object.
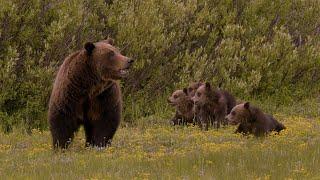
(104, 129)
(204, 123)
(104, 116)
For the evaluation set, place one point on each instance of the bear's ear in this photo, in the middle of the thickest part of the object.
(246, 105)
(89, 46)
(110, 41)
(208, 86)
(185, 90)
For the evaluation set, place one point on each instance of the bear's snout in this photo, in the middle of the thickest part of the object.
(195, 100)
(230, 120)
(170, 102)
(129, 63)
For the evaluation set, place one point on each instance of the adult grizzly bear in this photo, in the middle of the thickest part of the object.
(184, 107)
(252, 120)
(211, 105)
(85, 92)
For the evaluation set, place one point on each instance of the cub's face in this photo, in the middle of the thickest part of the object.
(178, 97)
(201, 95)
(193, 88)
(107, 60)
(239, 113)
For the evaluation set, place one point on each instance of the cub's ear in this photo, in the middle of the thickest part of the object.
(246, 105)
(208, 86)
(89, 46)
(109, 41)
(185, 90)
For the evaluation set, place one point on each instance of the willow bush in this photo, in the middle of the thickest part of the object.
(252, 48)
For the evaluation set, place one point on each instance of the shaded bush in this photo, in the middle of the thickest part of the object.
(252, 48)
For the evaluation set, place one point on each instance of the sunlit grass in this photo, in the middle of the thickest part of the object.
(161, 151)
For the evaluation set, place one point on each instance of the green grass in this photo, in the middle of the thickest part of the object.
(163, 152)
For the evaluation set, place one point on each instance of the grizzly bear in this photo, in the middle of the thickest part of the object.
(231, 102)
(252, 120)
(192, 88)
(86, 92)
(184, 107)
(212, 105)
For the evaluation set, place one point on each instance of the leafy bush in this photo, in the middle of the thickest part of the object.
(252, 48)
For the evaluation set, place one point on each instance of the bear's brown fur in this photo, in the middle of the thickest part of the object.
(252, 120)
(231, 102)
(184, 107)
(85, 93)
(192, 88)
(211, 106)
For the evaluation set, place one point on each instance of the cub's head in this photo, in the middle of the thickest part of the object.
(193, 88)
(178, 97)
(240, 113)
(107, 60)
(205, 94)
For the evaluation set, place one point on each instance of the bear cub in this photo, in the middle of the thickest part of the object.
(212, 105)
(231, 102)
(184, 107)
(192, 88)
(252, 120)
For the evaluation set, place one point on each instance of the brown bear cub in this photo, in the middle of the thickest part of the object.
(193, 86)
(212, 106)
(252, 120)
(85, 92)
(231, 102)
(184, 107)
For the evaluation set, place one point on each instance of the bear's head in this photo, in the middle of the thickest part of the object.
(239, 114)
(107, 60)
(178, 97)
(205, 95)
(193, 88)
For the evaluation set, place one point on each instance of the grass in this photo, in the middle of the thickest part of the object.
(154, 150)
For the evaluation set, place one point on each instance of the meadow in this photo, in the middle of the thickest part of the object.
(152, 149)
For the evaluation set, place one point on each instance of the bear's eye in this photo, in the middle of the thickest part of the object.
(111, 53)
(175, 96)
(198, 94)
(233, 113)
(190, 89)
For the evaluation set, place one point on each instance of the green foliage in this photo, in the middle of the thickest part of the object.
(252, 48)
